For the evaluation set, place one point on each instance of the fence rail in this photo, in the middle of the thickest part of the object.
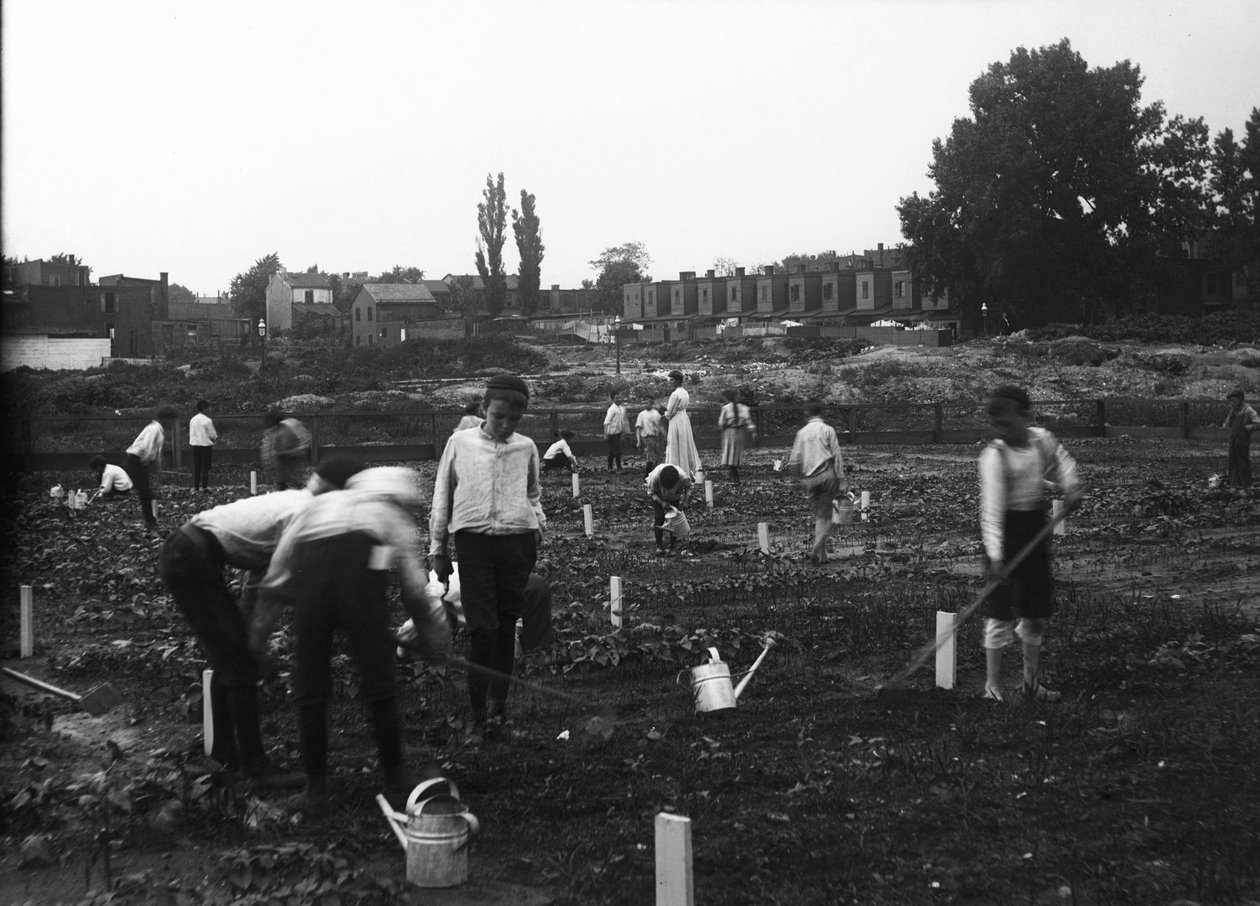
(56, 442)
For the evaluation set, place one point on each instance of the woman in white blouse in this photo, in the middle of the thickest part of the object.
(680, 444)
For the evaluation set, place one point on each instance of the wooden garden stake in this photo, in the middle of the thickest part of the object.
(253, 482)
(588, 517)
(673, 861)
(26, 645)
(1056, 512)
(708, 494)
(947, 651)
(614, 600)
(207, 711)
(577, 485)
(763, 536)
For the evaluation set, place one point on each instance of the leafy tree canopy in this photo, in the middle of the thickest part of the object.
(491, 228)
(177, 292)
(1055, 197)
(529, 246)
(616, 266)
(248, 290)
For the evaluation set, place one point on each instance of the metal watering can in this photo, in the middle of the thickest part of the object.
(711, 682)
(434, 833)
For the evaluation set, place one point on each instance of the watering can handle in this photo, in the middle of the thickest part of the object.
(418, 792)
(474, 826)
(395, 820)
(714, 657)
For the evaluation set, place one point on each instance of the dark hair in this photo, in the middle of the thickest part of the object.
(566, 433)
(202, 405)
(165, 414)
(1235, 394)
(813, 407)
(98, 463)
(471, 408)
(669, 476)
(731, 395)
(1010, 392)
(676, 375)
(338, 469)
(274, 417)
(612, 394)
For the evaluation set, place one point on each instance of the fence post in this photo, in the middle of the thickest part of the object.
(177, 459)
(555, 423)
(1100, 407)
(433, 435)
(848, 424)
(939, 429)
(1184, 416)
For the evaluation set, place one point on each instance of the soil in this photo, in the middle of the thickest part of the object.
(833, 780)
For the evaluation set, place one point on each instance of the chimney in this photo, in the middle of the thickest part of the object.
(555, 287)
(880, 246)
(739, 272)
(345, 275)
(710, 274)
(686, 275)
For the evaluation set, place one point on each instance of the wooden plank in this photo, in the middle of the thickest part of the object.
(673, 861)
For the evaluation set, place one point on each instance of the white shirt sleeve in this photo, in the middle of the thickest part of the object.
(992, 503)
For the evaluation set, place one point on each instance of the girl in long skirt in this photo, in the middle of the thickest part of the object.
(735, 423)
(680, 445)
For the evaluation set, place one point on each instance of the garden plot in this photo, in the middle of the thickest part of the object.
(817, 788)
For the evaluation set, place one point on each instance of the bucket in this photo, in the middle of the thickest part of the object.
(711, 684)
(843, 512)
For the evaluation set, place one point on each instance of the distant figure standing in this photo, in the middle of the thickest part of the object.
(471, 418)
(735, 422)
(1240, 421)
(201, 438)
(616, 425)
(145, 454)
(816, 459)
(286, 446)
(680, 444)
(649, 436)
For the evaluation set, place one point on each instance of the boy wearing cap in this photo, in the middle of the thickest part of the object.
(1241, 422)
(486, 499)
(1016, 471)
(243, 535)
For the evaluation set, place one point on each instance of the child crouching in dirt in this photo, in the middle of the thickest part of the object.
(668, 488)
(1016, 471)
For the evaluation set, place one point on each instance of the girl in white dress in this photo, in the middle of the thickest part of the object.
(680, 445)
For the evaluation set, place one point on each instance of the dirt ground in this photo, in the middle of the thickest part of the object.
(826, 784)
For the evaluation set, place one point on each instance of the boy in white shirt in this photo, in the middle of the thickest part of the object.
(615, 426)
(1016, 471)
(145, 453)
(201, 438)
(113, 479)
(559, 454)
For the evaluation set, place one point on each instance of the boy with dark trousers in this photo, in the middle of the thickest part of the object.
(242, 535)
(1016, 471)
(331, 567)
(145, 454)
(486, 499)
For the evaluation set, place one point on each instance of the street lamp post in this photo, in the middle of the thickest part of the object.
(617, 340)
(262, 333)
(984, 316)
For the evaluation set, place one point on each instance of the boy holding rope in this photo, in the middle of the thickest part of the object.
(1016, 471)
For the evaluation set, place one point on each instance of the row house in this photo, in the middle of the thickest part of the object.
(210, 322)
(297, 295)
(387, 314)
(47, 273)
(124, 315)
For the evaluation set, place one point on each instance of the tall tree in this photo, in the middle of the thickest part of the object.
(492, 227)
(177, 292)
(615, 267)
(529, 246)
(1046, 198)
(1235, 187)
(248, 290)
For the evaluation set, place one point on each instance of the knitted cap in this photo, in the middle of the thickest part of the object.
(338, 469)
(508, 382)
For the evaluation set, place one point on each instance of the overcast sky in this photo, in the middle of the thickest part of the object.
(197, 137)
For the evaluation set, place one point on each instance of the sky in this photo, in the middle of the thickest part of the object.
(197, 137)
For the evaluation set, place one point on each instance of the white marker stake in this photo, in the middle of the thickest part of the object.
(588, 518)
(253, 482)
(207, 711)
(763, 536)
(26, 645)
(946, 652)
(673, 861)
(866, 504)
(1056, 510)
(708, 493)
(614, 600)
(577, 485)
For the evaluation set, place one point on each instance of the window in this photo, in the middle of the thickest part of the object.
(828, 290)
(309, 297)
(382, 333)
(677, 294)
(369, 313)
(192, 331)
(704, 294)
(357, 338)
(109, 304)
(796, 292)
(358, 314)
(899, 289)
(866, 290)
(765, 293)
(109, 330)
(734, 293)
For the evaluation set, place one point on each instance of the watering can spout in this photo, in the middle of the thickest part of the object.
(396, 821)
